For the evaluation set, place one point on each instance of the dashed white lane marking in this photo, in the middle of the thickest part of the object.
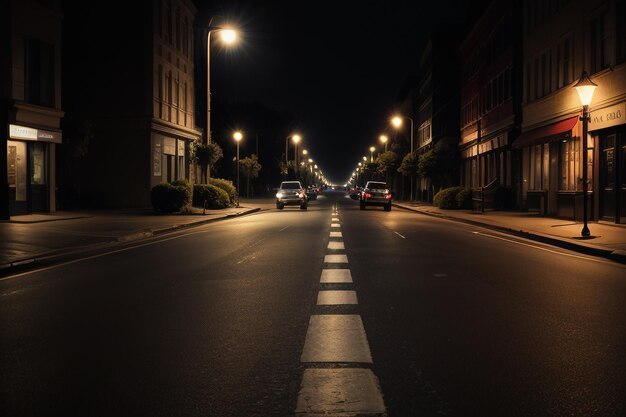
(336, 276)
(336, 245)
(336, 259)
(340, 392)
(335, 219)
(284, 228)
(399, 235)
(334, 225)
(335, 234)
(336, 298)
(336, 338)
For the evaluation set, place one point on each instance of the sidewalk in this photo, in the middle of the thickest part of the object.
(607, 240)
(34, 238)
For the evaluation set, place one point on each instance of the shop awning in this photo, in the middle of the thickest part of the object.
(545, 133)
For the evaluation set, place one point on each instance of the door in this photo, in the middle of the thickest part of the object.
(38, 177)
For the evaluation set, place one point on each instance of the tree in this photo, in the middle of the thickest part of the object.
(387, 162)
(206, 155)
(371, 171)
(250, 168)
(439, 164)
(408, 167)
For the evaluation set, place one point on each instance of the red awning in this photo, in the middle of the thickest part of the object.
(545, 134)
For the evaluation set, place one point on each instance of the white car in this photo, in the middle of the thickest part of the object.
(291, 193)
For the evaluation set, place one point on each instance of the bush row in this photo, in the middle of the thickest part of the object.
(179, 195)
(454, 198)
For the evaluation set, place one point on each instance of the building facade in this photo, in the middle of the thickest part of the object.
(437, 105)
(30, 108)
(561, 40)
(491, 77)
(137, 97)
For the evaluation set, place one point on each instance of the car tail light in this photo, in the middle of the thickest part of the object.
(367, 195)
(388, 196)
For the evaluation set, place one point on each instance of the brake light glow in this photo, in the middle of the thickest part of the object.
(388, 196)
(367, 195)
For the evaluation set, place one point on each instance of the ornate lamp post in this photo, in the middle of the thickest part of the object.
(585, 88)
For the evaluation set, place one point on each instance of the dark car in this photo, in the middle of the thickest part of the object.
(291, 193)
(375, 193)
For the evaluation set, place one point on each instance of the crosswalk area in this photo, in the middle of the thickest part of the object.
(337, 380)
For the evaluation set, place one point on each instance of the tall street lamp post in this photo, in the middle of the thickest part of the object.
(383, 139)
(228, 36)
(585, 88)
(237, 136)
(372, 149)
(296, 139)
(397, 122)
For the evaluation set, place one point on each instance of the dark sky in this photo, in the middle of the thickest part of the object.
(336, 65)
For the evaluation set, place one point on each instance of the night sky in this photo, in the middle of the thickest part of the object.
(336, 65)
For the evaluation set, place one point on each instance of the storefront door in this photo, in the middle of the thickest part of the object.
(612, 178)
(17, 165)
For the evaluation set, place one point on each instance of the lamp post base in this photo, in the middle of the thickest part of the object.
(585, 232)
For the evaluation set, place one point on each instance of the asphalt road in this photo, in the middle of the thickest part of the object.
(460, 321)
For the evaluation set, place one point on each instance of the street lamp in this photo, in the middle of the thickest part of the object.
(585, 88)
(397, 122)
(384, 139)
(372, 149)
(237, 136)
(228, 36)
(296, 138)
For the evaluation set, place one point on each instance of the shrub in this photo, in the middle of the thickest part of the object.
(215, 197)
(188, 189)
(225, 185)
(170, 198)
(464, 199)
(446, 198)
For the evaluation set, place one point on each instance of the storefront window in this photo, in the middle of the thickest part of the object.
(38, 163)
(570, 178)
(16, 162)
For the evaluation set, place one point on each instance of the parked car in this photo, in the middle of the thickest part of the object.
(291, 193)
(375, 193)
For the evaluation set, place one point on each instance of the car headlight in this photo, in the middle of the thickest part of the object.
(279, 195)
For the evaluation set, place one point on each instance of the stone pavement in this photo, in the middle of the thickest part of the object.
(32, 238)
(607, 239)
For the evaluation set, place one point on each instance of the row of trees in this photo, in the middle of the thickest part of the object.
(437, 164)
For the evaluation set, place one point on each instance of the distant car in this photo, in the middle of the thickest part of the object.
(291, 193)
(312, 192)
(375, 193)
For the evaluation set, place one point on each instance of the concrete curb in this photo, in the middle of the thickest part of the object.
(59, 255)
(588, 249)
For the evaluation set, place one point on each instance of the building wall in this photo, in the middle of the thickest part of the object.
(31, 96)
(561, 40)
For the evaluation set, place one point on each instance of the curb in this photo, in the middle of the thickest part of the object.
(614, 255)
(49, 258)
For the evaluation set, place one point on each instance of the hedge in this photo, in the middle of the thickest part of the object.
(215, 197)
(446, 198)
(226, 185)
(170, 198)
(464, 199)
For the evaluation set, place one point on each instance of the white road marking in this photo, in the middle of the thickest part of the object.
(336, 276)
(335, 259)
(335, 234)
(284, 228)
(335, 225)
(399, 235)
(340, 392)
(538, 247)
(336, 245)
(336, 338)
(336, 297)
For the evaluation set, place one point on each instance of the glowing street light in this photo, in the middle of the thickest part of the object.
(383, 139)
(397, 122)
(585, 88)
(372, 149)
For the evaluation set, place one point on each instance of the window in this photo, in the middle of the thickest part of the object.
(168, 17)
(40, 73)
(599, 43)
(569, 164)
(620, 38)
(177, 22)
(185, 38)
(564, 63)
